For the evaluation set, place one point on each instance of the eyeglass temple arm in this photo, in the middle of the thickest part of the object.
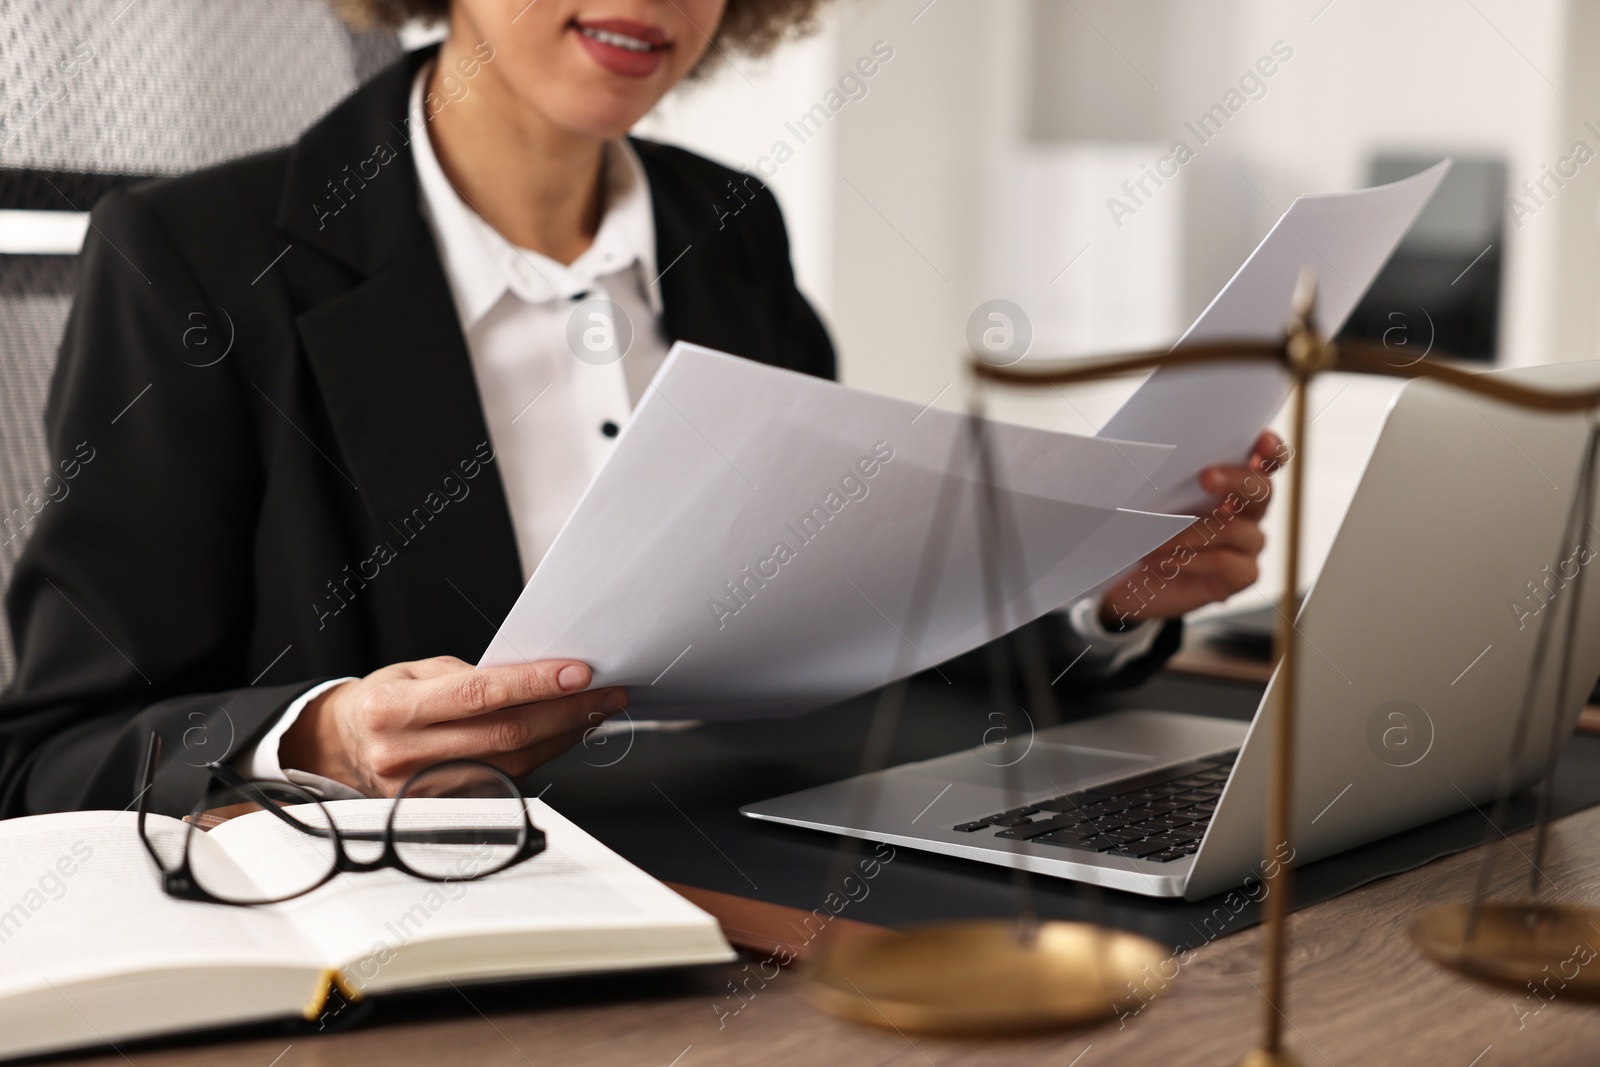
(232, 779)
(466, 835)
(463, 836)
(152, 756)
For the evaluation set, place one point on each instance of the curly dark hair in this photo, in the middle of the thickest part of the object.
(749, 27)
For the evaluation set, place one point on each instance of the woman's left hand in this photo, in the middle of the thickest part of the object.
(1211, 560)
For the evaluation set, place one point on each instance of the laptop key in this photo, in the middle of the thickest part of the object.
(1099, 843)
(1067, 839)
(1167, 855)
(1107, 807)
(1142, 812)
(1031, 830)
(1070, 818)
(1007, 820)
(1044, 826)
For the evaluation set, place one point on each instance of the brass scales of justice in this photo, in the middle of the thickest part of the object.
(1020, 974)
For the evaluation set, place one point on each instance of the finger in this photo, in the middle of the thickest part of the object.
(467, 693)
(395, 770)
(1196, 538)
(1268, 453)
(1223, 570)
(436, 666)
(1235, 571)
(1245, 491)
(1240, 534)
(520, 763)
(510, 730)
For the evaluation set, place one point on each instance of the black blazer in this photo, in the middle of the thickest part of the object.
(263, 381)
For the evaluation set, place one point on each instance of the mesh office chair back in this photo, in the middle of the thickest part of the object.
(94, 96)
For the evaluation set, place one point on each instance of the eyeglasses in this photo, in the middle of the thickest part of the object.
(437, 842)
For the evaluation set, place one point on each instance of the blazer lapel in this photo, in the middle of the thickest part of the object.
(392, 368)
(707, 296)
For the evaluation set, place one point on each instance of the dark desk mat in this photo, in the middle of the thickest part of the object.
(669, 802)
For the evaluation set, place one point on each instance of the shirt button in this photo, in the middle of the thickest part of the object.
(609, 428)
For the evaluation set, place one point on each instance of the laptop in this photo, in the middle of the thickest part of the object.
(1418, 638)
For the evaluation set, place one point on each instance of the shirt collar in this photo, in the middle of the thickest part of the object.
(482, 266)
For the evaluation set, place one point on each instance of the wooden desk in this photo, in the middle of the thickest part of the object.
(1360, 994)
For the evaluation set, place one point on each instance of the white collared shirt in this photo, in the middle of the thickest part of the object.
(552, 414)
(546, 409)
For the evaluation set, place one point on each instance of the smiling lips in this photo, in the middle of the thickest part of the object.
(622, 46)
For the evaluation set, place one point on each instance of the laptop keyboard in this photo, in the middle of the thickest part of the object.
(1159, 815)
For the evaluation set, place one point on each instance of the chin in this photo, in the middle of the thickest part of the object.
(597, 111)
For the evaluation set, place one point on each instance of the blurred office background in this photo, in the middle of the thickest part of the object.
(983, 160)
(935, 154)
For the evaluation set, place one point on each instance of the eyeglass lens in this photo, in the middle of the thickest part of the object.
(458, 821)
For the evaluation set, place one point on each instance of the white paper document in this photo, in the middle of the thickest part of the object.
(1212, 414)
(763, 542)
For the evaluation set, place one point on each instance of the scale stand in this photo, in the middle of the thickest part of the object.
(1019, 975)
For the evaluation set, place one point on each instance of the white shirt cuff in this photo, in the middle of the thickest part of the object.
(1101, 650)
(262, 761)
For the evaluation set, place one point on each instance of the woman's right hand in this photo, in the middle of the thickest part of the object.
(373, 733)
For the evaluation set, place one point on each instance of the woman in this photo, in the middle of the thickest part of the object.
(307, 378)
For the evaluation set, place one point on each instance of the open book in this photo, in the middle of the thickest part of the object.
(92, 950)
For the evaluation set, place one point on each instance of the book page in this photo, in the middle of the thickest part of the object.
(575, 884)
(80, 898)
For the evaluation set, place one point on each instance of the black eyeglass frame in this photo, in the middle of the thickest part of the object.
(181, 883)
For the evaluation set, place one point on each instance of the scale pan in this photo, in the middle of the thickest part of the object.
(985, 978)
(1515, 944)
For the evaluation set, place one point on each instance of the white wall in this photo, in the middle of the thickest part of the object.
(888, 206)
(911, 190)
(1427, 75)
